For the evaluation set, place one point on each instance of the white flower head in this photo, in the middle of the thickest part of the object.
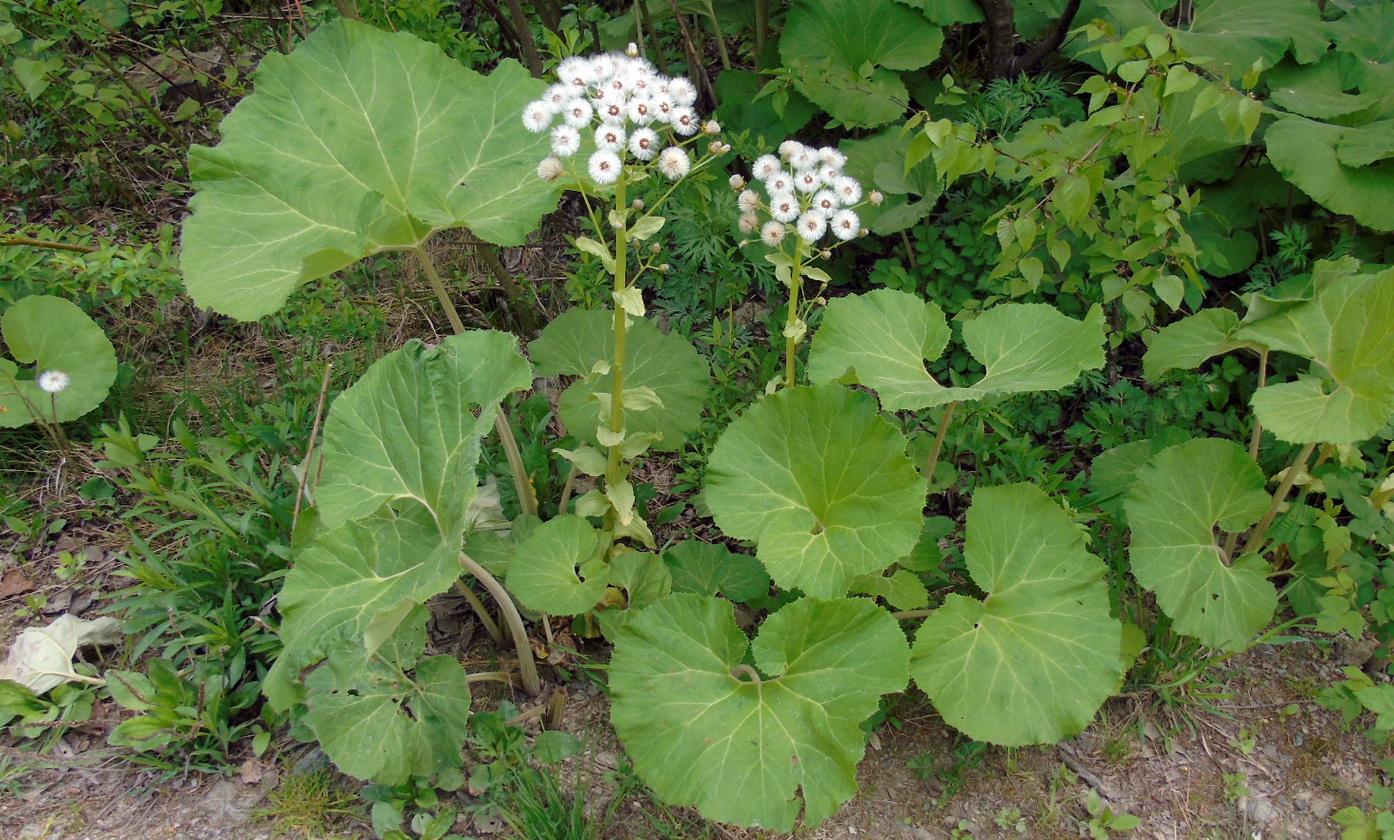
(748, 201)
(684, 93)
(610, 137)
(827, 201)
(578, 113)
(674, 163)
(807, 181)
(804, 159)
(789, 148)
(54, 381)
(848, 189)
(566, 140)
(784, 206)
(684, 121)
(779, 182)
(772, 233)
(845, 225)
(605, 167)
(765, 167)
(550, 169)
(812, 225)
(749, 222)
(641, 110)
(574, 71)
(644, 143)
(537, 116)
(830, 156)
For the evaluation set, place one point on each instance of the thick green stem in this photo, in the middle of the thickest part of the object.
(748, 671)
(762, 28)
(1233, 539)
(1260, 531)
(791, 344)
(532, 684)
(934, 451)
(428, 265)
(613, 473)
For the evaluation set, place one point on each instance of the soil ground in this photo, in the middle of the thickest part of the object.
(1254, 758)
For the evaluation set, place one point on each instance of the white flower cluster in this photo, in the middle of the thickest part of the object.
(805, 188)
(625, 105)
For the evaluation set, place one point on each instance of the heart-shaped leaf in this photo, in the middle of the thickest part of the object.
(53, 334)
(359, 141)
(1033, 661)
(702, 732)
(667, 364)
(543, 572)
(1344, 329)
(349, 575)
(881, 340)
(843, 54)
(410, 428)
(821, 482)
(1307, 152)
(1190, 341)
(379, 724)
(1173, 509)
(706, 569)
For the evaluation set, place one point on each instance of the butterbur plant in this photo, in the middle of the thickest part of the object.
(758, 731)
(807, 208)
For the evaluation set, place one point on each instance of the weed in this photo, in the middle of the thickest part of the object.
(303, 804)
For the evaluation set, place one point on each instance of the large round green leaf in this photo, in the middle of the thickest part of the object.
(380, 724)
(1230, 35)
(357, 142)
(410, 428)
(1307, 152)
(1173, 509)
(1345, 331)
(1033, 661)
(881, 340)
(843, 54)
(543, 573)
(702, 733)
(821, 482)
(576, 342)
(348, 576)
(1190, 341)
(53, 334)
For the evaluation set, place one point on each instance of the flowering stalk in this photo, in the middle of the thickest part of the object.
(632, 122)
(807, 195)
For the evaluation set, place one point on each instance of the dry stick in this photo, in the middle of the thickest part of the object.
(310, 450)
(495, 676)
(490, 626)
(526, 666)
(1256, 536)
(1083, 773)
(524, 32)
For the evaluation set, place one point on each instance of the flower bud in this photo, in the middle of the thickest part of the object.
(632, 50)
(638, 204)
(876, 198)
(664, 267)
(550, 169)
(737, 182)
(655, 248)
(711, 128)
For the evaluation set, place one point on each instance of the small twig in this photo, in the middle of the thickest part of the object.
(1083, 773)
